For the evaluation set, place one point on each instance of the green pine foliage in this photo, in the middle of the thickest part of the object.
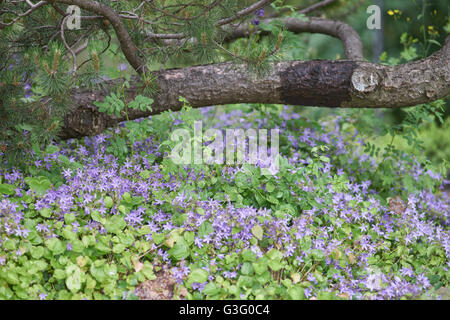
(37, 68)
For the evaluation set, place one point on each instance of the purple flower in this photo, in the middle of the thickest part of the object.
(230, 274)
(373, 282)
(199, 286)
(307, 292)
(407, 272)
(259, 12)
(122, 67)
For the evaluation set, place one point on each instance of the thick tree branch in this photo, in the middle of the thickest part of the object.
(350, 84)
(352, 43)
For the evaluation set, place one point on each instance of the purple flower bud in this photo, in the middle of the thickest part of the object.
(259, 13)
(122, 67)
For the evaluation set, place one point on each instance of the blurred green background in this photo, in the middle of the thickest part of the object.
(419, 19)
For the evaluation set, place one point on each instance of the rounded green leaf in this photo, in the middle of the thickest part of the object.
(198, 275)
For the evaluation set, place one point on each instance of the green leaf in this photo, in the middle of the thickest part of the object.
(246, 281)
(119, 248)
(205, 229)
(10, 244)
(98, 273)
(189, 236)
(260, 266)
(258, 232)
(73, 281)
(108, 201)
(248, 255)
(39, 184)
(158, 238)
(46, 212)
(88, 240)
(96, 216)
(144, 230)
(305, 243)
(126, 239)
(90, 283)
(69, 218)
(68, 233)
(100, 246)
(211, 289)
(275, 265)
(147, 271)
(235, 230)
(37, 252)
(324, 295)
(122, 209)
(180, 250)
(51, 149)
(82, 261)
(275, 255)
(241, 179)
(12, 277)
(145, 174)
(55, 245)
(296, 293)
(59, 274)
(7, 189)
(318, 255)
(115, 224)
(141, 102)
(247, 268)
(198, 275)
(270, 187)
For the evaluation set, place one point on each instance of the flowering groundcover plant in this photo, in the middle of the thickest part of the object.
(96, 218)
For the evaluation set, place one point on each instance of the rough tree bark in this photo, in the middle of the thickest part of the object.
(343, 83)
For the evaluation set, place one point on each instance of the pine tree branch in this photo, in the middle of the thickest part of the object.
(33, 7)
(351, 41)
(258, 5)
(126, 44)
(306, 10)
(316, 6)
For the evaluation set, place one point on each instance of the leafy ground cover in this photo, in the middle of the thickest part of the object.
(100, 217)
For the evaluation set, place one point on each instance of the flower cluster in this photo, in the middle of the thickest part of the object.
(321, 219)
